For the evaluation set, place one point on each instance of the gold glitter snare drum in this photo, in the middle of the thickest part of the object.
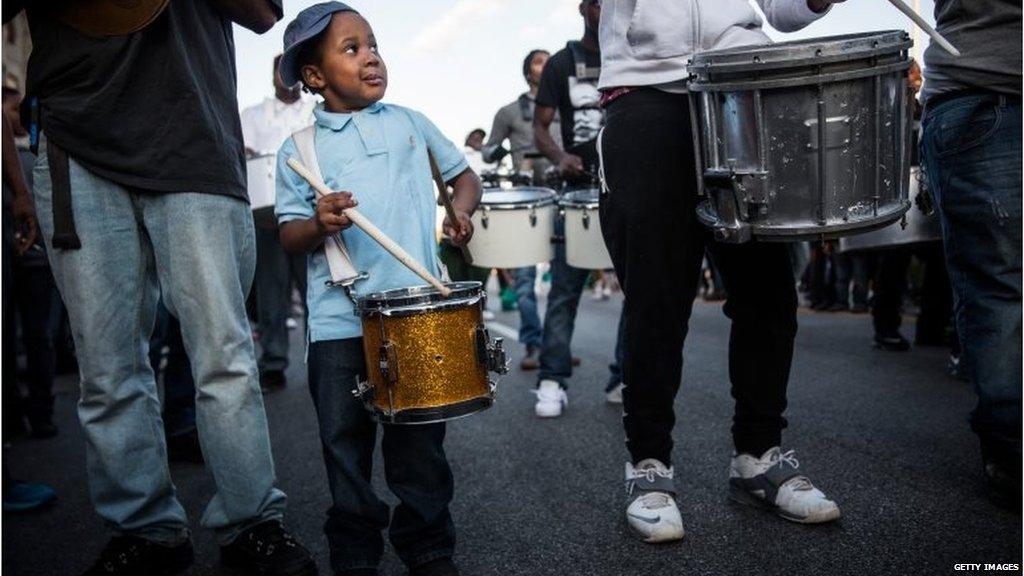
(427, 355)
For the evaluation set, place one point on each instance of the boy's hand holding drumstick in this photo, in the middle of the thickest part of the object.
(330, 212)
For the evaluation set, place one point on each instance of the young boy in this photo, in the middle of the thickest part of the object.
(376, 153)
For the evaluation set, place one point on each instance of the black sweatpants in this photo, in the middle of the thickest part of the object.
(657, 244)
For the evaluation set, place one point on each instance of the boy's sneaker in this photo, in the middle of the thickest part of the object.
(437, 567)
(652, 512)
(550, 399)
(267, 549)
(773, 482)
(133, 556)
(614, 394)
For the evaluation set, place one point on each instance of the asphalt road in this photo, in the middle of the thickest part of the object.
(885, 434)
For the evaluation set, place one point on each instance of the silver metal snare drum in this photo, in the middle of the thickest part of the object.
(802, 140)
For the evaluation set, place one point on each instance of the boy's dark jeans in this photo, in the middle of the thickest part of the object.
(657, 246)
(415, 467)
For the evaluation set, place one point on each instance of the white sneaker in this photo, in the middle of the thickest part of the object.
(550, 399)
(773, 482)
(652, 513)
(614, 396)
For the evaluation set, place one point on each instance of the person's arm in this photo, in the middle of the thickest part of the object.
(466, 193)
(792, 15)
(256, 15)
(493, 151)
(307, 234)
(23, 209)
(569, 164)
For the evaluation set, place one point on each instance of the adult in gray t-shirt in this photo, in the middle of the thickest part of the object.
(971, 153)
(987, 33)
(514, 122)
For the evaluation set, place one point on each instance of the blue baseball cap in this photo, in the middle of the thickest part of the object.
(307, 24)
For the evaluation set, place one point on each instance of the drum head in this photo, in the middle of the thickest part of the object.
(581, 198)
(764, 58)
(517, 198)
(419, 298)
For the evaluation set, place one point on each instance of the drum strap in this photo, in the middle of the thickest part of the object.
(343, 272)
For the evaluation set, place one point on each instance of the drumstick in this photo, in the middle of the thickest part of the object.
(924, 25)
(442, 191)
(366, 226)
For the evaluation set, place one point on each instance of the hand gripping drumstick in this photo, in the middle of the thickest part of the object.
(923, 25)
(366, 226)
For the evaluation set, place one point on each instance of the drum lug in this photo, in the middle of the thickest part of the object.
(388, 362)
(491, 353)
(725, 210)
(361, 389)
(485, 217)
(586, 219)
(533, 216)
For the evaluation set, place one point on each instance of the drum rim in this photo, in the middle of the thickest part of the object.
(550, 198)
(569, 200)
(418, 299)
(793, 53)
(448, 412)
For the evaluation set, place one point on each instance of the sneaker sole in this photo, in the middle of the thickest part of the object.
(741, 496)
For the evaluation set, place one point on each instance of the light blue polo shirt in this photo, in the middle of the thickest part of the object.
(379, 154)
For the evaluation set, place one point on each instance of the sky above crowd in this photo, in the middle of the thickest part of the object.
(458, 61)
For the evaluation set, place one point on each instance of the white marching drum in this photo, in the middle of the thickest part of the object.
(584, 245)
(261, 173)
(513, 228)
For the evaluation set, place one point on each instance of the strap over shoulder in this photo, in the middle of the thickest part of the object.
(343, 272)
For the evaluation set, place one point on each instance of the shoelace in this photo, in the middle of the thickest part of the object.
(778, 457)
(648, 474)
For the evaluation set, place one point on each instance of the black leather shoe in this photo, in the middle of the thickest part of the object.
(267, 549)
(133, 556)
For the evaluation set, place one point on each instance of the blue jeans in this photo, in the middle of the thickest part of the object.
(567, 285)
(415, 467)
(275, 271)
(179, 411)
(971, 150)
(530, 331)
(197, 249)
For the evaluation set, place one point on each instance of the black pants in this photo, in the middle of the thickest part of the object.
(415, 468)
(657, 245)
(890, 287)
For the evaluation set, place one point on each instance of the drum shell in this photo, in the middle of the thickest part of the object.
(261, 178)
(915, 227)
(584, 244)
(433, 352)
(757, 128)
(506, 236)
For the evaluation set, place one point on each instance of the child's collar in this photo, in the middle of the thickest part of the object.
(338, 120)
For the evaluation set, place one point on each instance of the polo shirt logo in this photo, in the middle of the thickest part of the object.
(412, 141)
